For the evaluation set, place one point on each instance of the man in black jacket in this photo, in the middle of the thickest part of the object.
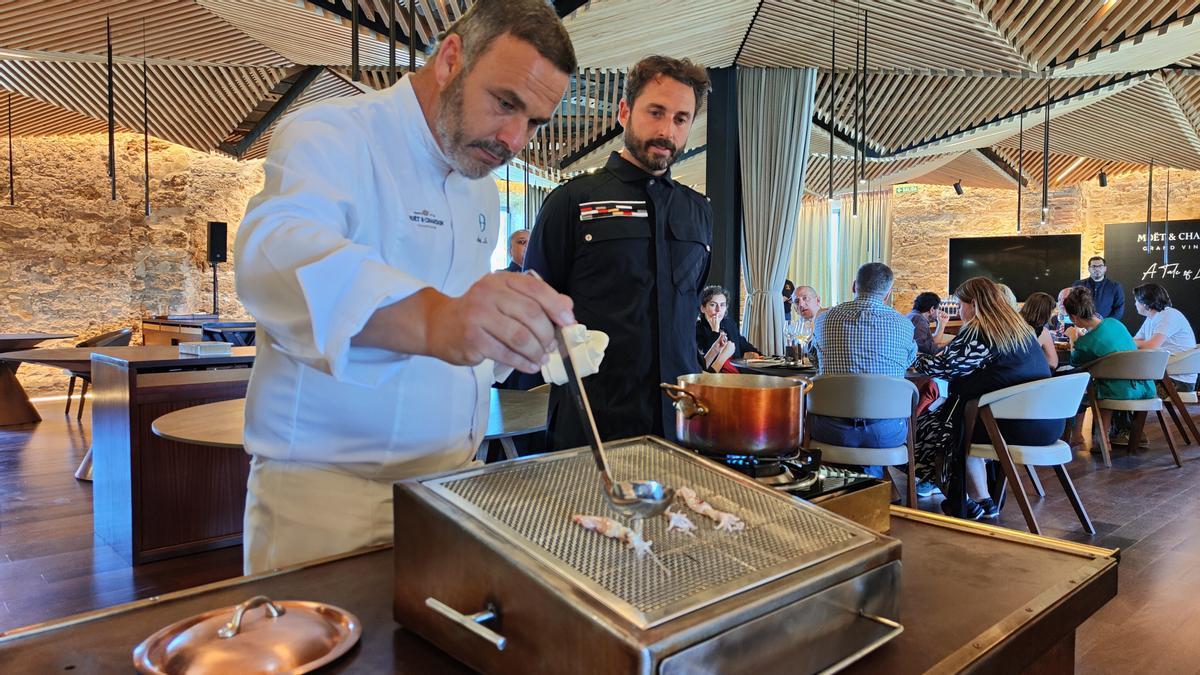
(631, 246)
(1108, 295)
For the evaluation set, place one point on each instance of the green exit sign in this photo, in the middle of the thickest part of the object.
(905, 189)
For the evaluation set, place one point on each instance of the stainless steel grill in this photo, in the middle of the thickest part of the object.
(531, 503)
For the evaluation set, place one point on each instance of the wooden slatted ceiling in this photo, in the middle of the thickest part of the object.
(433, 16)
(906, 110)
(979, 135)
(946, 36)
(973, 169)
(879, 173)
(301, 32)
(176, 29)
(328, 85)
(588, 110)
(1136, 125)
(194, 106)
(1186, 89)
(616, 33)
(1156, 49)
(1049, 33)
(1065, 169)
(32, 117)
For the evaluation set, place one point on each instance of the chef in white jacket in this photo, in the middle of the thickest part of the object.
(365, 262)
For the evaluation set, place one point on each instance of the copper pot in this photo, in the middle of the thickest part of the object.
(742, 414)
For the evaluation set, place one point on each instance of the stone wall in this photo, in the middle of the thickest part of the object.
(72, 260)
(924, 221)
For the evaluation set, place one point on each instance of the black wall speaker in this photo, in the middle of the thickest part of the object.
(217, 231)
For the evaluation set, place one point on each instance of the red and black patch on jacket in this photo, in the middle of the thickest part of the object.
(612, 209)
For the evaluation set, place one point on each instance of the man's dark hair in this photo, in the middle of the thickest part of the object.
(1152, 296)
(681, 70)
(788, 288)
(926, 301)
(532, 21)
(710, 292)
(1096, 257)
(873, 278)
(1079, 303)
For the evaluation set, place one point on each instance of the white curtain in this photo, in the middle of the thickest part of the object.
(775, 108)
(867, 238)
(809, 263)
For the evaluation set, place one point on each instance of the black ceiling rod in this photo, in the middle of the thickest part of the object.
(337, 8)
(862, 176)
(832, 95)
(412, 36)
(565, 7)
(1046, 156)
(391, 13)
(12, 197)
(145, 123)
(355, 73)
(1149, 202)
(112, 141)
(1167, 221)
(1020, 167)
(858, 132)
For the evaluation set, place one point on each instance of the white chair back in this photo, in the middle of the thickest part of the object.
(1053, 398)
(873, 397)
(1141, 364)
(1185, 362)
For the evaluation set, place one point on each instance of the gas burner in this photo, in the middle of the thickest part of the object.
(793, 471)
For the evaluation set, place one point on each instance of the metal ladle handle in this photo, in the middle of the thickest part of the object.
(579, 395)
(235, 624)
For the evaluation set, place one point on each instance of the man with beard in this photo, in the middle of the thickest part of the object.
(630, 246)
(365, 262)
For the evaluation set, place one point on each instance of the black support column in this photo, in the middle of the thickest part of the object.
(724, 184)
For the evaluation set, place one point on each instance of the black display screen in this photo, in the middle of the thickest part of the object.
(1047, 263)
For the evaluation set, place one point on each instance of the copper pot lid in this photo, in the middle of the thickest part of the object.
(257, 636)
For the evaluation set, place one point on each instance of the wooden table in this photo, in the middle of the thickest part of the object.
(512, 413)
(15, 406)
(972, 597)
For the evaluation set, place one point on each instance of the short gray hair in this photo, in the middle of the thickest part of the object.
(874, 278)
(532, 21)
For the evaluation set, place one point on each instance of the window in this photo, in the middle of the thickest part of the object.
(835, 215)
(500, 253)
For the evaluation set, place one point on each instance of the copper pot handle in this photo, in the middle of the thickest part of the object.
(806, 384)
(685, 401)
(235, 624)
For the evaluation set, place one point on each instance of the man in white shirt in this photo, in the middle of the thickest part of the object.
(365, 262)
(1165, 328)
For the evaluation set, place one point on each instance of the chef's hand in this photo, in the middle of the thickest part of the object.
(504, 316)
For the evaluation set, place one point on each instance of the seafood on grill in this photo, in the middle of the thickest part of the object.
(611, 528)
(677, 520)
(722, 519)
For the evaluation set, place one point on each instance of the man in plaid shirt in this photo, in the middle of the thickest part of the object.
(864, 336)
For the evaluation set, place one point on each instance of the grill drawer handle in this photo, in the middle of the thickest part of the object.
(472, 622)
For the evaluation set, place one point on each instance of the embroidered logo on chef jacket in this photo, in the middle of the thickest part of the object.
(612, 209)
(424, 218)
(482, 237)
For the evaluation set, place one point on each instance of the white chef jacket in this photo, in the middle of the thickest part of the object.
(359, 210)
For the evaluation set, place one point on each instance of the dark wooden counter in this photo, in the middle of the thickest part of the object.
(973, 597)
(155, 498)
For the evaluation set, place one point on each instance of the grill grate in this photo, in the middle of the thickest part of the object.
(535, 500)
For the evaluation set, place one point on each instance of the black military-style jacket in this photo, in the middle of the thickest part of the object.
(632, 251)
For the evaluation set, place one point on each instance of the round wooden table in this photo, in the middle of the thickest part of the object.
(15, 406)
(512, 413)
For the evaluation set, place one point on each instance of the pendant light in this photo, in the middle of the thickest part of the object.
(1020, 165)
(412, 36)
(355, 72)
(112, 142)
(145, 123)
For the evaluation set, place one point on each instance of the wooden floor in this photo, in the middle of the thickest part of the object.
(51, 565)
